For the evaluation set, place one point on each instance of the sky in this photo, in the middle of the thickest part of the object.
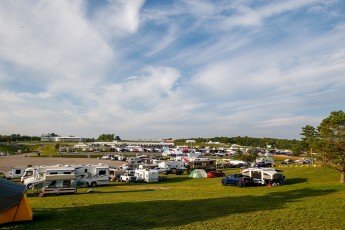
(170, 69)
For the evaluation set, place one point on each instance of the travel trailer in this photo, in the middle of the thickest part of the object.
(15, 173)
(146, 175)
(92, 175)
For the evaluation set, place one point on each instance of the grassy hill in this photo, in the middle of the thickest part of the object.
(312, 198)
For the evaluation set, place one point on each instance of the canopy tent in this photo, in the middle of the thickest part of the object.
(198, 173)
(14, 204)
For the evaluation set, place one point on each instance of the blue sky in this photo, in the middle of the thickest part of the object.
(170, 69)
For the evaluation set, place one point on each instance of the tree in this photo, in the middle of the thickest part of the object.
(309, 133)
(106, 137)
(331, 142)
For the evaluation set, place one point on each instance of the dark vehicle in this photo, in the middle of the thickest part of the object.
(213, 174)
(262, 164)
(207, 165)
(236, 179)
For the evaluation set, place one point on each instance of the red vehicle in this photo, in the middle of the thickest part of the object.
(213, 174)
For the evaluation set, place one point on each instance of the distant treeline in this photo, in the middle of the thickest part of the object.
(18, 137)
(248, 141)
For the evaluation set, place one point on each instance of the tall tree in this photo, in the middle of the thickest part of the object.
(331, 142)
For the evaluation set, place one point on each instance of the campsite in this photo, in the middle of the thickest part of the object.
(311, 198)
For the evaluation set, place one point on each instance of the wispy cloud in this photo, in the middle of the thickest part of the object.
(171, 68)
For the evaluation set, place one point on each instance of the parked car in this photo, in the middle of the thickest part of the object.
(213, 174)
(236, 179)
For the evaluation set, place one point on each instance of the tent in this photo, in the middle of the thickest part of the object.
(198, 173)
(14, 204)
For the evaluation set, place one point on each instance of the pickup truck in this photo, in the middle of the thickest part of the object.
(128, 177)
(236, 179)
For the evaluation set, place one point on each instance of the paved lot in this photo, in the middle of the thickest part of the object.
(7, 162)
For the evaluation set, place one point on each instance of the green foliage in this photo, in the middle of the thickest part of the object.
(17, 137)
(106, 137)
(329, 141)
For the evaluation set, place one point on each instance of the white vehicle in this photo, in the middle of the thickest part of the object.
(171, 164)
(264, 176)
(92, 175)
(29, 172)
(16, 172)
(146, 175)
(42, 172)
(265, 160)
(114, 174)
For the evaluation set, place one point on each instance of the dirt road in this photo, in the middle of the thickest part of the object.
(7, 162)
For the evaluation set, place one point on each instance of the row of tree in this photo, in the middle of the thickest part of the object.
(18, 137)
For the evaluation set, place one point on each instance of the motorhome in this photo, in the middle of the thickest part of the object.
(89, 175)
(16, 172)
(41, 173)
(146, 175)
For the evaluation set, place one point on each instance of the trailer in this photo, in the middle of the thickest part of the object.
(15, 172)
(146, 175)
(92, 175)
(264, 176)
(57, 184)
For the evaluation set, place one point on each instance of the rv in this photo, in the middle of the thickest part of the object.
(207, 165)
(15, 173)
(42, 172)
(146, 175)
(92, 175)
(57, 184)
(264, 176)
(266, 160)
(88, 175)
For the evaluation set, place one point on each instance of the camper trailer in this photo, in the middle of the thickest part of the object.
(146, 175)
(57, 184)
(92, 175)
(264, 176)
(15, 173)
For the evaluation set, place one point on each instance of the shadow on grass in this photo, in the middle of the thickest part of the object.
(292, 181)
(162, 213)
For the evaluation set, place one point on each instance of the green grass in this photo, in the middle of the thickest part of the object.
(312, 198)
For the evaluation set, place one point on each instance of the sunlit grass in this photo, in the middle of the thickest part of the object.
(311, 199)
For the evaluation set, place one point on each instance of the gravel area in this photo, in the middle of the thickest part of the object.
(7, 162)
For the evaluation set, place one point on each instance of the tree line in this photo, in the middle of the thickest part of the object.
(18, 137)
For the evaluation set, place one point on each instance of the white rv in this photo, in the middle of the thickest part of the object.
(146, 175)
(42, 172)
(264, 176)
(89, 175)
(92, 175)
(16, 172)
(265, 160)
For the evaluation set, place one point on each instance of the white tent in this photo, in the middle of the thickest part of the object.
(198, 173)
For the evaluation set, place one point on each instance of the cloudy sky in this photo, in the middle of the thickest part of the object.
(170, 69)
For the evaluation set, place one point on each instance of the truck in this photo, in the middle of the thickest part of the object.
(236, 179)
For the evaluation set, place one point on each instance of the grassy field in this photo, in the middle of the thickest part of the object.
(312, 198)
